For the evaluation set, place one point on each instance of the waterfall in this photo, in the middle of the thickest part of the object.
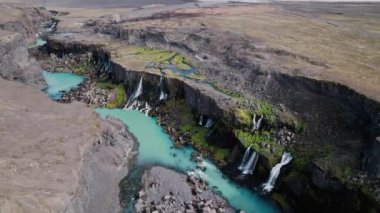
(249, 161)
(256, 124)
(163, 95)
(52, 27)
(139, 90)
(285, 159)
(146, 109)
(209, 123)
(135, 95)
(200, 120)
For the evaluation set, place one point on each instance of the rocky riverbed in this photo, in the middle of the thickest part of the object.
(165, 190)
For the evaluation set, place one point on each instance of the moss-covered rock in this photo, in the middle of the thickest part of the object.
(82, 69)
(244, 117)
(119, 99)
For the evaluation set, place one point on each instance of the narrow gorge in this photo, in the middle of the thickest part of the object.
(240, 125)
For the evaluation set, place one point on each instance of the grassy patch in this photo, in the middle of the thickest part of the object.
(262, 142)
(106, 84)
(244, 116)
(198, 139)
(197, 76)
(120, 97)
(180, 62)
(254, 139)
(220, 154)
(161, 57)
(81, 69)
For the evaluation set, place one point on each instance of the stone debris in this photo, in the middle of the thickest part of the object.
(187, 194)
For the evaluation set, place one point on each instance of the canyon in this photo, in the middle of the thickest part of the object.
(309, 70)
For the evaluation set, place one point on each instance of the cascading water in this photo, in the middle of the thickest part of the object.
(285, 159)
(136, 94)
(201, 120)
(163, 95)
(256, 124)
(139, 90)
(209, 123)
(249, 161)
(52, 27)
(146, 109)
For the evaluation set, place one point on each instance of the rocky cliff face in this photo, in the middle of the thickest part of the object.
(23, 19)
(58, 157)
(372, 157)
(16, 63)
(330, 110)
(104, 166)
(18, 27)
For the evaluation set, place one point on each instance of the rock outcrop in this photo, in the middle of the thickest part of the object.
(165, 190)
(18, 27)
(15, 62)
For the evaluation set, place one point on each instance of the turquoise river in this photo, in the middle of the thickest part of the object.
(156, 148)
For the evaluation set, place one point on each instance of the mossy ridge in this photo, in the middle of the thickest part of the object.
(120, 97)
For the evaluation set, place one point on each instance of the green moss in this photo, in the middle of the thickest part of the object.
(221, 154)
(180, 62)
(186, 127)
(198, 138)
(120, 97)
(161, 57)
(262, 142)
(266, 109)
(106, 85)
(244, 116)
(255, 138)
(81, 69)
(197, 76)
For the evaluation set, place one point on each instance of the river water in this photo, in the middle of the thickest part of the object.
(58, 83)
(156, 148)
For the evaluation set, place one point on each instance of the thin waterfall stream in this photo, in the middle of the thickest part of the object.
(249, 161)
(275, 172)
